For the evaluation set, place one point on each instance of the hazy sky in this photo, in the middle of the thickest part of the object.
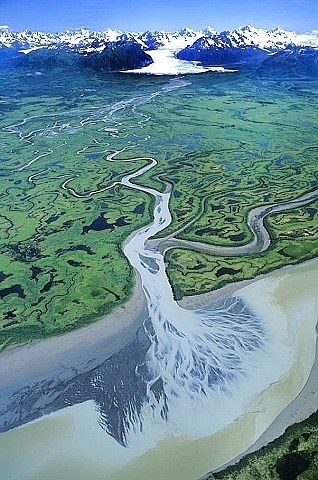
(53, 15)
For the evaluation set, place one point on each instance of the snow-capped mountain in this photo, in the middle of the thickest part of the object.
(254, 37)
(202, 39)
(79, 38)
(113, 57)
(205, 46)
(26, 38)
(83, 37)
(175, 40)
(241, 45)
(108, 50)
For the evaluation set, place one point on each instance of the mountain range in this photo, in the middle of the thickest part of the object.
(241, 45)
(84, 38)
(116, 50)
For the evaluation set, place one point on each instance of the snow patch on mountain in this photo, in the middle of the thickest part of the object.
(309, 39)
(175, 40)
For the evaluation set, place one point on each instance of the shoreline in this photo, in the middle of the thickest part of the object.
(75, 351)
(203, 300)
(18, 361)
(304, 405)
(299, 409)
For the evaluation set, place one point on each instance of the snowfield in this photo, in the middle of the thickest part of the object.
(165, 63)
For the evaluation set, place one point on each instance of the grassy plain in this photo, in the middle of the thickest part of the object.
(294, 238)
(61, 263)
(226, 142)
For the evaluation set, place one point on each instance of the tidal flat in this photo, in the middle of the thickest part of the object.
(82, 438)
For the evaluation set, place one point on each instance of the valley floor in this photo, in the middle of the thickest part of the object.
(191, 158)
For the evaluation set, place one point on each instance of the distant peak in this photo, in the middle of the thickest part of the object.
(278, 30)
(247, 28)
(209, 31)
(186, 30)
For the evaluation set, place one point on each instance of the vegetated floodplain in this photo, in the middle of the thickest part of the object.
(294, 236)
(293, 455)
(61, 259)
(226, 142)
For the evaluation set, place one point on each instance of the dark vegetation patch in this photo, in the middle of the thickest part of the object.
(237, 238)
(101, 223)
(3, 276)
(74, 263)
(292, 456)
(23, 252)
(75, 248)
(35, 272)
(140, 209)
(225, 271)
(291, 465)
(13, 290)
(52, 219)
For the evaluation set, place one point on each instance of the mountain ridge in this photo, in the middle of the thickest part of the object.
(83, 37)
(243, 45)
(184, 51)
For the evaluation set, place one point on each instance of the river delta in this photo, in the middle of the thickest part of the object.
(150, 190)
